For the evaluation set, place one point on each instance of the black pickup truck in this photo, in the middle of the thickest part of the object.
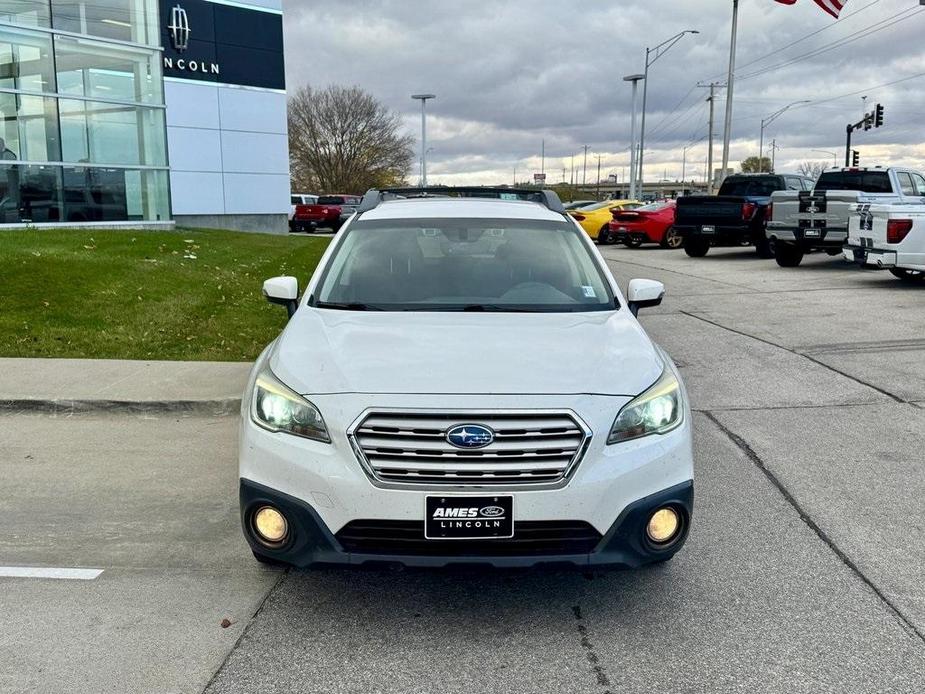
(734, 217)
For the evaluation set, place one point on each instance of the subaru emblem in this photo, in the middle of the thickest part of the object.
(470, 436)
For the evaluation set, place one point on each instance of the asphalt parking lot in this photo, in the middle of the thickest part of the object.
(803, 573)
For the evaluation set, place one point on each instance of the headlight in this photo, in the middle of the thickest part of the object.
(277, 408)
(656, 411)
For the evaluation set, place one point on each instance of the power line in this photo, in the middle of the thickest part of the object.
(845, 40)
(673, 110)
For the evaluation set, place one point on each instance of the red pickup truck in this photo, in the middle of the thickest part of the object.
(331, 211)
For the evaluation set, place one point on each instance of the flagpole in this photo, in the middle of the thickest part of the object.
(729, 84)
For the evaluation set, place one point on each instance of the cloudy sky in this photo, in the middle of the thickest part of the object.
(510, 73)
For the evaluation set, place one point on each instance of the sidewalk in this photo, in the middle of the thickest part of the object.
(104, 385)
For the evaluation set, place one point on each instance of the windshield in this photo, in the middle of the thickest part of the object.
(863, 181)
(758, 186)
(654, 206)
(463, 265)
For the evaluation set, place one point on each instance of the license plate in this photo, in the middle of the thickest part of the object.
(468, 517)
(812, 233)
(708, 229)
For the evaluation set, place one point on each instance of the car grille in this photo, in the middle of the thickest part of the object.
(407, 538)
(532, 447)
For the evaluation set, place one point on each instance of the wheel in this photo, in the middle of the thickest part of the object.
(788, 255)
(672, 239)
(269, 561)
(633, 240)
(696, 247)
(908, 275)
(833, 251)
(603, 236)
(765, 248)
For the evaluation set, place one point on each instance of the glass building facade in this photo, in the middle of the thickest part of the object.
(82, 116)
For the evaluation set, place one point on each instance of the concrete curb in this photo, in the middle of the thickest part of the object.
(218, 407)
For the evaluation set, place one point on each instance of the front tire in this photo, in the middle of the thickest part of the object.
(788, 255)
(696, 247)
(910, 276)
(671, 239)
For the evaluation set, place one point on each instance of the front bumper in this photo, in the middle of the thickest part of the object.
(311, 542)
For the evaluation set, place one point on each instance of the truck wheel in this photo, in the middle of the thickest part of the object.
(908, 275)
(603, 236)
(696, 248)
(633, 240)
(788, 255)
(672, 239)
(765, 248)
(833, 251)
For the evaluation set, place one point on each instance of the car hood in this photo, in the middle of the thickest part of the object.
(326, 351)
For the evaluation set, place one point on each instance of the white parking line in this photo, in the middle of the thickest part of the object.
(42, 572)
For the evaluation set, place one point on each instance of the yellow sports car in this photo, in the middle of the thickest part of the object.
(595, 217)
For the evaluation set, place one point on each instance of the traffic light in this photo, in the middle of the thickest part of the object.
(855, 158)
(878, 116)
(868, 121)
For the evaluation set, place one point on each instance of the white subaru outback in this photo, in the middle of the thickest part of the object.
(434, 400)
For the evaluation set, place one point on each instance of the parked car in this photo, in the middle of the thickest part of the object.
(577, 204)
(424, 406)
(596, 217)
(327, 212)
(300, 199)
(803, 221)
(653, 223)
(890, 237)
(734, 217)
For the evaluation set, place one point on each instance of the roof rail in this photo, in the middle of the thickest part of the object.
(547, 198)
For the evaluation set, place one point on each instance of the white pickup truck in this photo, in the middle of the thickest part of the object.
(802, 221)
(890, 237)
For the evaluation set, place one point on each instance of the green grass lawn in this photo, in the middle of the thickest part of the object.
(144, 295)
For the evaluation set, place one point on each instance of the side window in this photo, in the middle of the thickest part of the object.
(808, 184)
(905, 183)
(919, 183)
(793, 183)
(295, 200)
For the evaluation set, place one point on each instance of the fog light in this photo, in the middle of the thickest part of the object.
(270, 525)
(663, 525)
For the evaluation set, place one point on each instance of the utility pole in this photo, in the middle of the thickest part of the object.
(543, 157)
(774, 149)
(584, 175)
(598, 176)
(712, 100)
(730, 80)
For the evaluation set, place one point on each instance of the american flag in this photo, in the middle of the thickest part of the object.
(833, 7)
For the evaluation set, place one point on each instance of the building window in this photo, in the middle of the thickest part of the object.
(25, 60)
(122, 20)
(25, 12)
(96, 69)
(28, 128)
(105, 133)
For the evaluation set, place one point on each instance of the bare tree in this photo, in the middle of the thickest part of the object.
(812, 169)
(342, 140)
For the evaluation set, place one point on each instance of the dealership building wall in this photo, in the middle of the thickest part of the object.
(137, 112)
(226, 115)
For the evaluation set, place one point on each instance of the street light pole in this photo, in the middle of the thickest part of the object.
(423, 99)
(767, 121)
(653, 54)
(730, 78)
(635, 80)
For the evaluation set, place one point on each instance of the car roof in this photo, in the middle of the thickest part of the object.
(425, 208)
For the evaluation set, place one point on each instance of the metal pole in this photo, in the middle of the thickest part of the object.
(584, 175)
(848, 147)
(642, 126)
(709, 178)
(773, 154)
(730, 78)
(423, 144)
(683, 163)
(543, 157)
(598, 176)
(761, 150)
(633, 145)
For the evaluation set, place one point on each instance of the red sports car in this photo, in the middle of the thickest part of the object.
(648, 224)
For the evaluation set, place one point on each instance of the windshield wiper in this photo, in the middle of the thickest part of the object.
(353, 306)
(500, 308)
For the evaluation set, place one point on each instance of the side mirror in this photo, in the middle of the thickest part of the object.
(284, 291)
(644, 293)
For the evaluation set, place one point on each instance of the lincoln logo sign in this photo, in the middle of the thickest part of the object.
(179, 37)
(179, 29)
